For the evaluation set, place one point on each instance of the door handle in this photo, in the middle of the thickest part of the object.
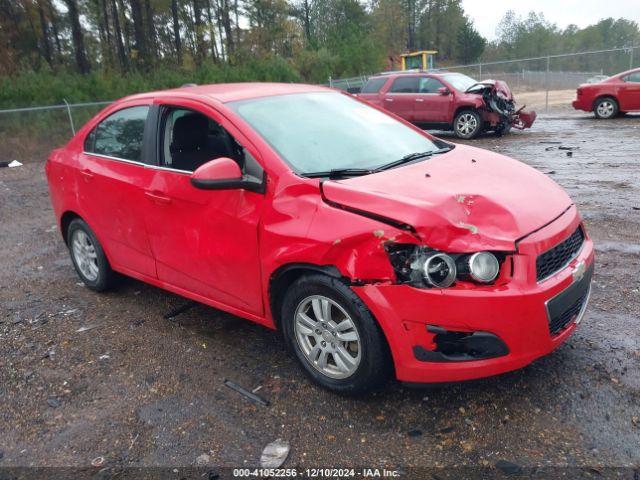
(388, 99)
(87, 174)
(158, 198)
(419, 99)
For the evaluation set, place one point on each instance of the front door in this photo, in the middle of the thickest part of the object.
(431, 106)
(113, 176)
(204, 241)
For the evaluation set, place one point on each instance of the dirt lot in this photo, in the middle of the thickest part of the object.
(139, 390)
(559, 100)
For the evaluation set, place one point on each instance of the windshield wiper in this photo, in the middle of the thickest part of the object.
(356, 172)
(340, 172)
(411, 157)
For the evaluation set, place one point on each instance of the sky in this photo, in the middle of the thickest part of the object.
(486, 14)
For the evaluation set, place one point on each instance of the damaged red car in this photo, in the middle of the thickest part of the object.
(375, 248)
(448, 101)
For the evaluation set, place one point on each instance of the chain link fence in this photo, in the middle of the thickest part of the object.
(29, 134)
(543, 83)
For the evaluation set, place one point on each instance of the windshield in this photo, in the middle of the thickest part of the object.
(323, 131)
(459, 81)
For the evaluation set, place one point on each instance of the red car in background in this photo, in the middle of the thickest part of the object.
(375, 248)
(447, 101)
(608, 98)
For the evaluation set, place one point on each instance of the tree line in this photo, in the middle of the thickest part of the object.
(332, 36)
(312, 38)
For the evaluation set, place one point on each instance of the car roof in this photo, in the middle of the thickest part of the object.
(627, 72)
(231, 92)
(411, 73)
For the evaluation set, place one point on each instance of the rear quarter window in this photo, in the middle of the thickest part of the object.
(633, 77)
(373, 85)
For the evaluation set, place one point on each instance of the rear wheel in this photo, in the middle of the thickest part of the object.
(467, 124)
(334, 336)
(87, 256)
(605, 107)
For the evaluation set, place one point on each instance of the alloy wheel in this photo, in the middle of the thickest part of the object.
(466, 124)
(605, 108)
(84, 254)
(327, 336)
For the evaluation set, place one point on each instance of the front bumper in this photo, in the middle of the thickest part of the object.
(515, 312)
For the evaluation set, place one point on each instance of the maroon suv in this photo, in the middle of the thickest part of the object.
(448, 101)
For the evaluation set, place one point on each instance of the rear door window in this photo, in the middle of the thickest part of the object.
(405, 85)
(120, 135)
(373, 85)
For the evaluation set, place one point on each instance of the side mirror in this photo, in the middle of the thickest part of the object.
(444, 91)
(224, 174)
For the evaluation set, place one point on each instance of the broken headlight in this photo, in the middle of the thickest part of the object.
(422, 266)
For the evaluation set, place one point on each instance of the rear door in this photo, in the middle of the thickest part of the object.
(431, 106)
(113, 176)
(401, 96)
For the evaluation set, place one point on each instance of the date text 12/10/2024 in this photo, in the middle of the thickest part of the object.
(315, 473)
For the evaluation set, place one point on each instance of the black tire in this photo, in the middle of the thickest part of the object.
(375, 363)
(105, 276)
(606, 108)
(503, 129)
(461, 127)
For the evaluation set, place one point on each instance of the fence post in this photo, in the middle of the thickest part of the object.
(631, 57)
(546, 81)
(330, 82)
(480, 67)
(73, 128)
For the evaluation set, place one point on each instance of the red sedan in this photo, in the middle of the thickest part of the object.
(448, 101)
(375, 248)
(608, 98)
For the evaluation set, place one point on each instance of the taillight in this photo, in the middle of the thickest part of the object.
(579, 92)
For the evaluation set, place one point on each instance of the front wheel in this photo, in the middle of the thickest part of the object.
(334, 336)
(503, 129)
(467, 124)
(605, 108)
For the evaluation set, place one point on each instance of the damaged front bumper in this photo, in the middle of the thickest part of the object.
(454, 334)
(522, 119)
(504, 120)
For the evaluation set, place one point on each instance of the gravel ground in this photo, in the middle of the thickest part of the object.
(86, 375)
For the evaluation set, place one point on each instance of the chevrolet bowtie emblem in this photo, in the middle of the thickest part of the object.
(578, 272)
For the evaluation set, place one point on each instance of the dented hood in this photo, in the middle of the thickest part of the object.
(495, 85)
(464, 200)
